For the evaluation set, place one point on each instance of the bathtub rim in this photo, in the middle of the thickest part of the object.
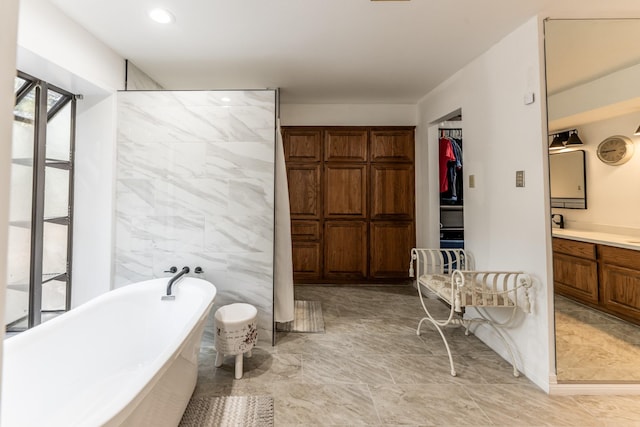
(125, 403)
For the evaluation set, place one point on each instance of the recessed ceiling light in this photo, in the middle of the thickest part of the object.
(161, 16)
(225, 99)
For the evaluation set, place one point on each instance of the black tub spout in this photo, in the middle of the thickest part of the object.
(174, 279)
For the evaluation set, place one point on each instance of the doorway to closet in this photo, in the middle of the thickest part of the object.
(451, 184)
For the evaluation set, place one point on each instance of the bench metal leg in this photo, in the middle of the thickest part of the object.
(446, 344)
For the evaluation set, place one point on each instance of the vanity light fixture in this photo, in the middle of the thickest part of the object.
(637, 132)
(558, 140)
(161, 16)
(573, 139)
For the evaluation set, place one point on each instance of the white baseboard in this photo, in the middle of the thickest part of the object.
(593, 389)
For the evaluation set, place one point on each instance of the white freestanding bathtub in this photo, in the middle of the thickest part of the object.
(125, 358)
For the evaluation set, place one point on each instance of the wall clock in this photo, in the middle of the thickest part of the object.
(615, 150)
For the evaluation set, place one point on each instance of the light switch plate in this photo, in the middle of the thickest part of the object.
(472, 181)
(519, 178)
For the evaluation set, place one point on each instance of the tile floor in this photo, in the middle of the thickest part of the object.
(370, 368)
(593, 346)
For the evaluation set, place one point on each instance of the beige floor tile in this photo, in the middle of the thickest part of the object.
(327, 404)
(370, 368)
(431, 405)
(526, 405)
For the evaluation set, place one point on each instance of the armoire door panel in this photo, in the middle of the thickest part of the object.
(304, 191)
(345, 145)
(305, 230)
(345, 194)
(302, 145)
(306, 260)
(392, 145)
(345, 249)
(392, 192)
(391, 244)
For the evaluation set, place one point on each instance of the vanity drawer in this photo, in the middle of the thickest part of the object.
(572, 247)
(621, 257)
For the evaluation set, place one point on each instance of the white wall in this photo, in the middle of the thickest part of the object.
(8, 33)
(348, 115)
(67, 52)
(611, 201)
(94, 202)
(505, 227)
(54, 48)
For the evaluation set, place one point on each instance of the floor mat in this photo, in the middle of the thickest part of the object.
(229, 411)
(307, 318)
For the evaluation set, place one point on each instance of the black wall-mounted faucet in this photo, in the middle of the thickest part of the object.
(558, 220)
(178, 275)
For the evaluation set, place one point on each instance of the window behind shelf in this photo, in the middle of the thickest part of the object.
(41, 203)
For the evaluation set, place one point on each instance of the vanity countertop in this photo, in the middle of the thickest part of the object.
(617, 240)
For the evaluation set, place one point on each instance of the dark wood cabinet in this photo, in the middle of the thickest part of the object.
(345, 250)
(304, 197)
(389, 241)
(303, 145)
(601, 276)
(352, 196)
(346, 145)
(620, 281)
(392, 192)
(575, 269)
(345, 191)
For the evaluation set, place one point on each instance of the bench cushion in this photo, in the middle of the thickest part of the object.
(471, 296)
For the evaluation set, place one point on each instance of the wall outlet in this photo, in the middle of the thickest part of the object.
(519, 178)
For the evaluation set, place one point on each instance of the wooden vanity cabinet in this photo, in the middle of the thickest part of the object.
(620, 281)
(575, 270)
(601, 276)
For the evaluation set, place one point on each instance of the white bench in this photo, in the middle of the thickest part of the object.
(449, 274)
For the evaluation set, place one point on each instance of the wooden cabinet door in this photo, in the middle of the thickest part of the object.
(392, 192)
(343, 145)
(392, 145)
(391, 244)
(620, 281)
(302, 145)
(307, 259)
(576, 277)
(345, 249)
(621, 290)
(345, 191)
(304, 191)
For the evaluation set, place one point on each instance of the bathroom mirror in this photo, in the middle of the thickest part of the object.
(591, 70)
(568, 180)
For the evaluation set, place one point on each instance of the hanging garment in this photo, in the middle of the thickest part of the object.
(457, 148)
(446, 155)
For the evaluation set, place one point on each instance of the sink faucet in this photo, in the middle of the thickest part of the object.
(558, 220)
(174, 279)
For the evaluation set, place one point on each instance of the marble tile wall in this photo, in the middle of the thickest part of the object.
(195, 187)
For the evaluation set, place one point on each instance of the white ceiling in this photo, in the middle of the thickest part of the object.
(316, 51)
